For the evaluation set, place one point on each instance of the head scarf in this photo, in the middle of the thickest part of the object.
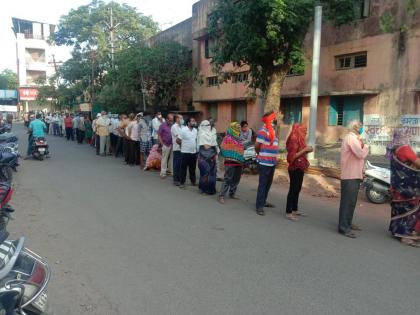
(400, 137)
(206, 134)
(297, 134)
(268, 122)
(234, 130)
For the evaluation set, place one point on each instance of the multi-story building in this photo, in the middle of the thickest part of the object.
(369, 70)
(35, 58)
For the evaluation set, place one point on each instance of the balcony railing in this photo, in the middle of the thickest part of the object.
(32, 36)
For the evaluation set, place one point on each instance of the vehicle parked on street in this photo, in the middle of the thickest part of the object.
(8, 163)
(24, 275)
(40, 148)
(377, 183)
(250, 159)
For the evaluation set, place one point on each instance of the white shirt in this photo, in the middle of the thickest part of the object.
(115, 125)
(176, 131)
(189, 140)
(155, 126)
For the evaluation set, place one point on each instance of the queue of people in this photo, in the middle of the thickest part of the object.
(176, 147)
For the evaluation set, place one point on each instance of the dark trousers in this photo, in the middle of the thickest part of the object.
(134, 152)
(177, 161)
(119, 147)
(48, 127)
(264, 184)
(77, 133)
(188, 162)
(349, 192)
(231, 180)
(69, 134)
(30, 144)
(113, 139)
(126, 149)
(80, 136)
(56, 129)
(296, 181)
(97, 144)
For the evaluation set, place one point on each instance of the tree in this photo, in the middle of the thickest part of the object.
(87, 30)
(267, 36)
(8, 80)
(160, 71)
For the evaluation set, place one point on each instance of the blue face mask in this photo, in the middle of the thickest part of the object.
(361, 130)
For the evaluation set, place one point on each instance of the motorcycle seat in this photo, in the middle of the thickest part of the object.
(7, 157)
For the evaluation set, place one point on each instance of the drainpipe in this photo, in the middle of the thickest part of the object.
(315, 79)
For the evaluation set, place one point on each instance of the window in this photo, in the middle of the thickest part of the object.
(208, 47)
(212, 81)
(365, 8)
(358, 60)
(240, 77)
(343, 109)
(239, 111)
(291, 109)
(213, 110)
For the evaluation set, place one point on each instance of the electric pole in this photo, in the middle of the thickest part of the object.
(111, 30)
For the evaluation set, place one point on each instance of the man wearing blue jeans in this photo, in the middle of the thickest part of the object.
(267, 149)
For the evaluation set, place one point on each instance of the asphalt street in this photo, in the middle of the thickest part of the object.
(123, 241)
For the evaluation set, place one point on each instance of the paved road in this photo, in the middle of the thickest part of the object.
(121, 241)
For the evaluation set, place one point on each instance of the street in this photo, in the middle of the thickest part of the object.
(123, 241)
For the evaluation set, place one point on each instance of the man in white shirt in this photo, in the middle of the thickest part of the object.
(188, 141)
(102, 129)
(156, 122)
(48, 120)
(176, 149)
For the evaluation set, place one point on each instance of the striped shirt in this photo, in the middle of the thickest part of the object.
(268, 152)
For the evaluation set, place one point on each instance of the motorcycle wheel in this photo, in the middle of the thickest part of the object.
(6, 174)
(375, 197)
(41, 157)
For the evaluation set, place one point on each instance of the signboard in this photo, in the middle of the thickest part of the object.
(28, 94)
(8, 94)
(379, 131)
(8, 108)
(85, 107)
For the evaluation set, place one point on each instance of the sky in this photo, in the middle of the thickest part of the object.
(165, 12)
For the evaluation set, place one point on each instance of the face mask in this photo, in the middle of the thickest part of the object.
(361, 129)
(181, 122)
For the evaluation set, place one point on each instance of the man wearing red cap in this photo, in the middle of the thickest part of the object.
(267, 149)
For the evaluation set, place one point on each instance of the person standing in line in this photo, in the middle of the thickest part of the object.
(207, 158)
(60, 124)
(81, 129)
(176, 149)
(267, 149)
(48, 120)
(68, 123)
(145, 140)
(55, 120)
(156, 122)
(102, 126)
(95, 137)
(113, 133)
(75, 125)
(353, 154)
(165, 140)
(188, 141)
(89, 132)
(232, 149)
(134, 146)
(298, 164)
(246, 133)
(121, 135)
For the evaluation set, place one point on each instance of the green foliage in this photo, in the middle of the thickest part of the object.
(386, 22)
(8, 80)
(265, 35)
(160, 71)
(268, 35)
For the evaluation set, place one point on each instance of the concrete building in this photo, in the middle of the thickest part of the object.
(35, 55)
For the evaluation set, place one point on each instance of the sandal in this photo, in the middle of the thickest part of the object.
(292, 217)
(410, 242)
(299, 214)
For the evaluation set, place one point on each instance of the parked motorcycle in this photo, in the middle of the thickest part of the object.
(24, 275)
(40, 148)
(8, 163)
(377, 183)
(250, 159)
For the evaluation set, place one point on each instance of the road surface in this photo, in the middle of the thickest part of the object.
(122, 241)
